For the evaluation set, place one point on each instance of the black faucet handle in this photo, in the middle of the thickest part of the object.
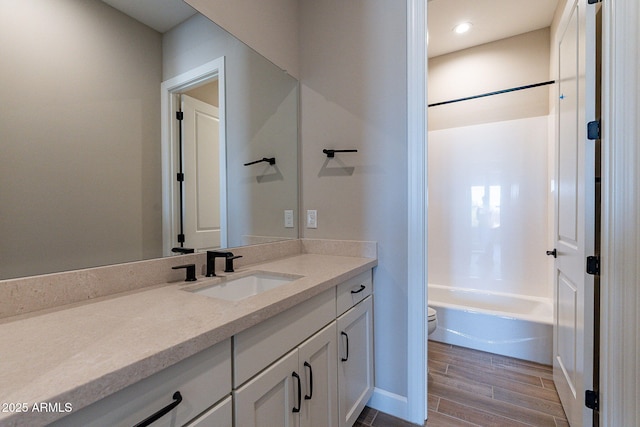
(228, 265)
(191, 271)
(183, 250)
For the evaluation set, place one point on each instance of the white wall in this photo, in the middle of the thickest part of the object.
(87, 173)
(353, 96)
(498, 243)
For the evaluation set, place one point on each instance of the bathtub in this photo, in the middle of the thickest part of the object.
(506, 324)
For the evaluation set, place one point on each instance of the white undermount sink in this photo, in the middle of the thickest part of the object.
(246, 286)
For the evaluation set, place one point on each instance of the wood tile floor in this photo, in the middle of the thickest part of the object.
(473, 388)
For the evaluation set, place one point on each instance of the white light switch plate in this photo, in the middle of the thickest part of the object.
(288, 218)
(312, 219)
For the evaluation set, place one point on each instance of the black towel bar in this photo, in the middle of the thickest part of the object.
(332, 153)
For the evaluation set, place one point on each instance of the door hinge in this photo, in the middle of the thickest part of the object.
(180, 177)
(593, 265)
(593, 130)
(591, 400)
(180, 238)
(179, 115)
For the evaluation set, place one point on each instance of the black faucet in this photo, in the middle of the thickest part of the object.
(211, 262)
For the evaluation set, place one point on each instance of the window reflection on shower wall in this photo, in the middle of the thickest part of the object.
(485, 226)
(488, 206)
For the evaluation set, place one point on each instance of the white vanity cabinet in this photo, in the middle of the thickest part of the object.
(204, 383)
(308, 366)
(283, 379)
(294, 355)
(300, 389)
(355, 348)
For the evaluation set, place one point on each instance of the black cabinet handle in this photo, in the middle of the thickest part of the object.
(362, 288)
(177, 398)
(310, 395)
(296, 376)
(344, 359)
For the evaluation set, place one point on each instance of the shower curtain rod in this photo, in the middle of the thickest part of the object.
(513, 89)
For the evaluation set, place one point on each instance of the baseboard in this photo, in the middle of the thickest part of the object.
(389, 403)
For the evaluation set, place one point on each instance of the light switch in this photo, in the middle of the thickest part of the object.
(288, 218)
(312, 219)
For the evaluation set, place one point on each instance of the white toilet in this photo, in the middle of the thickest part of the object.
(433, 320)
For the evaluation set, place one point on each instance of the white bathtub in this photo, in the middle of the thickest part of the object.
(511, 325)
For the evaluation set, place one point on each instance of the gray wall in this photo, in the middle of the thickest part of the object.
(503, 64)
(268, 26)
(352, 60)
(353, 79)
(79, 135)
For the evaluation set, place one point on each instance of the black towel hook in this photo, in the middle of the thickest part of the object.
(270, 160)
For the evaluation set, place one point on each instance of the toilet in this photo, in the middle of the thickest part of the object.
(433, 320)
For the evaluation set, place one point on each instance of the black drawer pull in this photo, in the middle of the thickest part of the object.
(362, 288)
(296, 376)
(310, 395)
(177, 398)
(344, 359)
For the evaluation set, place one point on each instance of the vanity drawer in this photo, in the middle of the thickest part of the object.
(353, 291)
(257, 347)
(202, 379)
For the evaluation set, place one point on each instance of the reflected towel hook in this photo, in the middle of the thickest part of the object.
(332, 153)
(270, 160)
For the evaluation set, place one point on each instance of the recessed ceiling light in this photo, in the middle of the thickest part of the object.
(462, 28)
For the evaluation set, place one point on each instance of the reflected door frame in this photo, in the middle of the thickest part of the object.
(170, 103)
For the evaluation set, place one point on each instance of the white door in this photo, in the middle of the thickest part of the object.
(202, 167)
(317, 363)
(574, 230)
(271, 398)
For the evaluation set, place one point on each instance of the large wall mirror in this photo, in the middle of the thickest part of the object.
(89, 164)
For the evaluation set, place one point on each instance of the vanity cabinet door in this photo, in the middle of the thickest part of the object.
(271, 398)
(355, 361)
(317, 363)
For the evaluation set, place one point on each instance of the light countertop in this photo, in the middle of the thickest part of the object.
(81, 353)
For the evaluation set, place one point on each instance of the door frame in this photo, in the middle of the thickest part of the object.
(620, 304)
(415, 406)
(619, 270)
(170, 90)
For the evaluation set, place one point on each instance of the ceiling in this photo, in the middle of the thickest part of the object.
(161, 15)
(492, 20)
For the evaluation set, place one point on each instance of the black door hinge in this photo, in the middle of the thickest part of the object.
(179, 115)
(180, 238)
(591, 400)
(593, 130)
(180, 177)
(593, 265)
